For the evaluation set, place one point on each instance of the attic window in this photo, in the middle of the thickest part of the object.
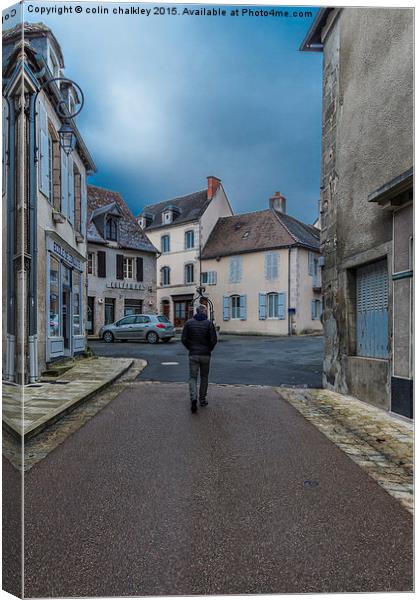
(111, 229)
(245, 234)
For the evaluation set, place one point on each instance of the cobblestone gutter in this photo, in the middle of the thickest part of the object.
(378, 442)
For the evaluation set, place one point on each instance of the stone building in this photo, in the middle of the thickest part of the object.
(179, 228)
(366, 201)
(44, 207)
(261, 272)
(121, 264)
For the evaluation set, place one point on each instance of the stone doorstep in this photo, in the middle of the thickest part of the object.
(33, 427)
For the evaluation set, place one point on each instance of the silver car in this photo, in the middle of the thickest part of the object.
(151, 328)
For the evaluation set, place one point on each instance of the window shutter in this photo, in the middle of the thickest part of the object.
(64, 184)
(267, 266)
(232, 269)
(44, 170)
(71, 189)
(313, 309)
(120, 266)
(242, 308)
(101, 263)
(274, 265)
(239, 272)
(83, 204)
(262, 306)
(282, 305)
(139, 268)
(310, 263)
(226, 308)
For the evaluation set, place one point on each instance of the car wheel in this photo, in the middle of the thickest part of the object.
(152, 337)
(108, 337)
(166, 340)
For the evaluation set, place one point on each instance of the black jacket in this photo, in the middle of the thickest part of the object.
(199, 336)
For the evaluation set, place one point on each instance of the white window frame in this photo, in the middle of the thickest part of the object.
(186, 270)
(92, 263)
(128, 267)
(165, 237)
(235, 311)
(163, 271)
(209, 278)
(189, 234)
(275, 296)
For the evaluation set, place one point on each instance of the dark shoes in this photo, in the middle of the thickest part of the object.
(203, 402)
(194, 407)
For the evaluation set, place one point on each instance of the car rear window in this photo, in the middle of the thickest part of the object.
(163, 320)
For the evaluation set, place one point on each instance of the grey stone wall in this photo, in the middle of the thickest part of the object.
(366, 142)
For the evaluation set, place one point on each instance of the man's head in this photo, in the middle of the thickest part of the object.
(201, 310)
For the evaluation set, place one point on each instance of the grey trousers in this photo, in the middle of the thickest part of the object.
(199, 363)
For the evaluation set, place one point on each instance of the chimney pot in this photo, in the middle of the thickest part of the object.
(213, 184)
(278, 202)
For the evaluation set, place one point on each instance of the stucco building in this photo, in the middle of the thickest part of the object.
(179, 229)
(366, 201)
(44, 207)
(121, 262)
(261, 271)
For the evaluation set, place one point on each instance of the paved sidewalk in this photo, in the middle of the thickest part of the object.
(44, 402)
(380, 443)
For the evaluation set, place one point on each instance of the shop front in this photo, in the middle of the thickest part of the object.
(65, 325)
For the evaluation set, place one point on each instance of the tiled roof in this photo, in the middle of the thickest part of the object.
(131, 234)
(190, 207)
(255, 231)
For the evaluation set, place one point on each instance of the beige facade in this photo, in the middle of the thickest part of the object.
(176, 291)
(286, 303)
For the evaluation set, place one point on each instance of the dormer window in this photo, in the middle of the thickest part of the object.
(167, 217)
(111, 230)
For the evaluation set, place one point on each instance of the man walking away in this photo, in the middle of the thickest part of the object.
(199, 337)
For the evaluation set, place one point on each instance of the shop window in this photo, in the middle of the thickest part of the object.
(54, 317)
(133, 307)
(109, 310)
(77, 303)
(128, 268)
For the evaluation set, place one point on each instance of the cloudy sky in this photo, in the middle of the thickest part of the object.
(172, 99)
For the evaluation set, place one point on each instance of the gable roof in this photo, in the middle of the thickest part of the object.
(190, 207)
(257, 231)
(131, 235)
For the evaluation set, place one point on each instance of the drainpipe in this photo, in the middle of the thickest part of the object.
(289, 327)
(33, 245)
(11, 216)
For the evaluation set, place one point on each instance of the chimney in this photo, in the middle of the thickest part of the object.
(213, 184)
(278, 203)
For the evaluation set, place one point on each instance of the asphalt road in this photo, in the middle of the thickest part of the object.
(254, 360)
(246, 496)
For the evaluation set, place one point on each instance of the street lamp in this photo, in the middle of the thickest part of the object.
(67, 138)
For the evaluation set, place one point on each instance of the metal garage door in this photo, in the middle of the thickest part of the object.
(372, 310)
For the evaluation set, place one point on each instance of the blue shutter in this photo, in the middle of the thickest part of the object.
(274, 265)
(268, 266)
(242, 308)
(226, 308)
(239, 263)
(44, 166)
(70, 189)
(310, 263)
(282, 305)
(313, 309)
(64, 184)
(232, 269)
(262, 306)
(83, 204)
(372, 310)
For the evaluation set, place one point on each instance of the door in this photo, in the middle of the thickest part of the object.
(109, 311)
(125, 328)
(166, 309)
(65, 319)
(90, 323)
